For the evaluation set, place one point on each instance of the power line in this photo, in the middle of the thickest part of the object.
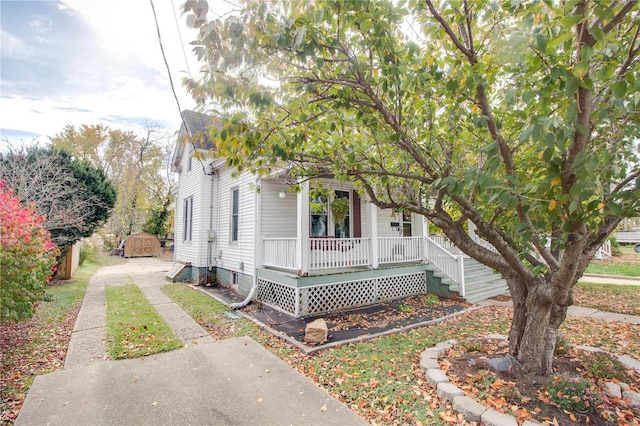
(173, 89)
(164, 57)
(184, 53)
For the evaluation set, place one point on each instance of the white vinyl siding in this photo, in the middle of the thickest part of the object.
(194, 185)
(279, 215)
(237, 256)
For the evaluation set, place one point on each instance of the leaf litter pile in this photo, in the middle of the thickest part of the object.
(526, 397)
(29, 348)
(381, 379)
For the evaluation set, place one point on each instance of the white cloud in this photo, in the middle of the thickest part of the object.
(13, 46)
(42, 26)
(118, 79)
(126, 30)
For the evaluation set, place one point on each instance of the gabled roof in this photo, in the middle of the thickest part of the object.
(194, 132)
(195, 125)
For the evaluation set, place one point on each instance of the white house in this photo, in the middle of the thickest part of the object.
(285, 249)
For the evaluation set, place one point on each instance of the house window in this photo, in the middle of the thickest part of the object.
(342, 229)
(187, 213)
(406, 224)
(189, 162)
(319, 210)
(235, 210)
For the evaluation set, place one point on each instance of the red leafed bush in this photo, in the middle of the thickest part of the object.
(27, 258)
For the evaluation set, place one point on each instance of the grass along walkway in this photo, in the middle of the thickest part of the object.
(626, 264)
(208, 312)
(134, 327)
(610, 268)
(39, 345)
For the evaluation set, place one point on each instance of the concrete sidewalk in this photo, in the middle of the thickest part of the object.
(609, 279)
(230, 382)
(578, 311)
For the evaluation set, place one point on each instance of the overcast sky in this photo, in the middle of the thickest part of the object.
(74, 62)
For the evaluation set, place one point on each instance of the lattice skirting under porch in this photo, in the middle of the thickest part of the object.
(323, 298)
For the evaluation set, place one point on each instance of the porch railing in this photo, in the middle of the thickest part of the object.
(400, 249)
(279, 253)
(330, 253)
(452, 265)
(336, 253)
(604, 252)
(445, 243)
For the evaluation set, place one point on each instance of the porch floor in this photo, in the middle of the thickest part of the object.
(347, 326)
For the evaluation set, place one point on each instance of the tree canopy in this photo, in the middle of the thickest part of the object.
(74, 197)
(135, 165)
(518, 117)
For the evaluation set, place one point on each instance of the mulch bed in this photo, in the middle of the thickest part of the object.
(524, 395)
(354, 324)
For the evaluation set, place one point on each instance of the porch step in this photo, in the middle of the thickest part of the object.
(481, 282)
(489, 289)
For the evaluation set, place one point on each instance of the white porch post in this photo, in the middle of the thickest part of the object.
(425, 234)
(373, 225)
(302, 230)
(258, 241)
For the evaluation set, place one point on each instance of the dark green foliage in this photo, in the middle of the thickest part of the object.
(74, 196)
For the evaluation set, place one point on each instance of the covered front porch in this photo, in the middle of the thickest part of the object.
(310, 263)
(300, 234)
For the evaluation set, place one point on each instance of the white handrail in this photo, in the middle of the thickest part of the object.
(452, 265)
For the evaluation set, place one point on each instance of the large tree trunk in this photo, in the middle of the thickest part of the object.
(534, 327)
(558, 314)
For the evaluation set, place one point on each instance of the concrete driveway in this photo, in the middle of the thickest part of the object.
(227, 382)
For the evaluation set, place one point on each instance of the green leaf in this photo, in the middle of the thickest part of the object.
(599, 35)
(299, 34)
(619, 88)
(560, 39)
(505, 199)
(573, 206)
(526, 134)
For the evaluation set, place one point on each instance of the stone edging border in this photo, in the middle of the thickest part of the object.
(467, 406)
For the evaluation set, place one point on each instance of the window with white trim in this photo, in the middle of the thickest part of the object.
(319, 211)
(235, 213)
(187, 219)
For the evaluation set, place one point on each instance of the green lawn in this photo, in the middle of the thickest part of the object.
(134, 327)
(380, 379)
(626, 264)
(609, 268)
(208, 312)
(627, 249)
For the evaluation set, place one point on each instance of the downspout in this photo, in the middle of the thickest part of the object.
(256, 249)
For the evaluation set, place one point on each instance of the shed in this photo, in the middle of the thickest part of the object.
(142, 245)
